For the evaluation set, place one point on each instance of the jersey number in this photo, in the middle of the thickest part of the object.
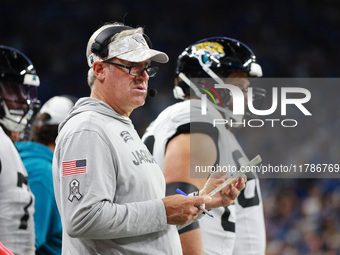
(24, 219)
(226, 223)
(149, 142)
(242, 200)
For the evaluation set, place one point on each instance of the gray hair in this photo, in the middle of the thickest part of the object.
(91, 77)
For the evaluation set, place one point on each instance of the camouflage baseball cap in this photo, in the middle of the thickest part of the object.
(131, 48)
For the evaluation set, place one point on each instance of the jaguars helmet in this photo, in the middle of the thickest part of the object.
(216, 58)
(18, 89)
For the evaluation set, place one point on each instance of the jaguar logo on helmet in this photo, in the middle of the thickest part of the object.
(206, 51)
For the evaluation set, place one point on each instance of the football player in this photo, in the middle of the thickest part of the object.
(183, 140)
(18, 107)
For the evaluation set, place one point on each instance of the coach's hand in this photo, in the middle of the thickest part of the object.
(181, 209)
(226, 196)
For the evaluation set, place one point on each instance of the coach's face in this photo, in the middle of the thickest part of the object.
(122, 91)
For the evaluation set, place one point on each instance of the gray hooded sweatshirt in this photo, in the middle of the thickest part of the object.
(108, 187)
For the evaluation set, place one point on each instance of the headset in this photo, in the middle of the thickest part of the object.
(99, 47)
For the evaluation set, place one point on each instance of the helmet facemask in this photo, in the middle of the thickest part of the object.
(19, 105)
(18, 90)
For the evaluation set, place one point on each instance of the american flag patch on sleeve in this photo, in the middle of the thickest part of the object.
(74, 167)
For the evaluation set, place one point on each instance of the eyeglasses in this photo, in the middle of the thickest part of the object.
(137, 70)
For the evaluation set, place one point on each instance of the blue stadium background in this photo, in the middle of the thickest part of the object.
(290, 39)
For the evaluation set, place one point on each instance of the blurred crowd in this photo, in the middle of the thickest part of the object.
(290, 39)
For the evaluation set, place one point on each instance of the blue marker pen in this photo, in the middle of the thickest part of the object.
(199, 206)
